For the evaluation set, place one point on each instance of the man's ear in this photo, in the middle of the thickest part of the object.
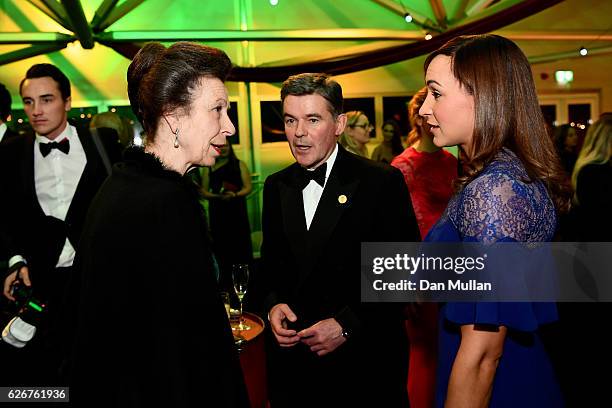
(340, 123)
(68, 104)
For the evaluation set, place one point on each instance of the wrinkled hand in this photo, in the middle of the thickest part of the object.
(279, 315)
(22, 273)
(323, 337)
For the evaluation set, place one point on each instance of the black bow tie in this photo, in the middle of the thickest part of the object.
(317, 175)
(63, 146)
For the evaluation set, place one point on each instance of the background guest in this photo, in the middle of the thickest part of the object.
(5, 134)
(566, 142)
(429, 172)
(51, 177)
(391, 145)
(356, 135)
(589, 221)
(5, 113)
(592, 179)
(226, 185)
(113, 121)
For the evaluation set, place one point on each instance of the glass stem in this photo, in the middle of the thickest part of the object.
(240, 313)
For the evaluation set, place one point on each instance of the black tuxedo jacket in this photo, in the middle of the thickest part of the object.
(26, 230)
(8, 135)
(317, 273)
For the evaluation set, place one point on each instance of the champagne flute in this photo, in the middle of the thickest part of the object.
(240, 276)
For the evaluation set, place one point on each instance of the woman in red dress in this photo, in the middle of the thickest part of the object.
(429, 172)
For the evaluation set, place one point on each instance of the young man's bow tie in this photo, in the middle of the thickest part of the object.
(63, 146)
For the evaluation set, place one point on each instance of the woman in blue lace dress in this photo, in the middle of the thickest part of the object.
(483, 99)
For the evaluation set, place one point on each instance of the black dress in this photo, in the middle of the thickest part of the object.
(152, 327)
(229, 221)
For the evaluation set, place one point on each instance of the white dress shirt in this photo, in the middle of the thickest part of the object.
(313, 191)
(2, 130)
(56, 178)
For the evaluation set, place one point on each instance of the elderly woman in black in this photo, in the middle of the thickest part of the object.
(152, 327)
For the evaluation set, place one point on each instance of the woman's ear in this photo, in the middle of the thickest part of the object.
(419, 121)
(172, 120)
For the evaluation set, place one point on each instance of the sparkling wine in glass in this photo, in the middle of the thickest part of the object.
(240, 277)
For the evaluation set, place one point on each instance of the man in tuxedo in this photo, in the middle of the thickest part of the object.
(47, 180)
(327, 348)
(5, 112)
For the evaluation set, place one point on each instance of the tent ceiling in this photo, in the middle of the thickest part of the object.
(258, 37)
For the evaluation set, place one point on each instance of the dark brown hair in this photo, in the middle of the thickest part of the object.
(396, 140)
(506, 110)
(48, 70)
(162, 80)
(320, 84)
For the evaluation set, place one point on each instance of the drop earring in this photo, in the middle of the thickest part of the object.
(176, 143)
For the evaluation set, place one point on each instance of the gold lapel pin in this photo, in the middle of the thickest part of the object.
(342, 199)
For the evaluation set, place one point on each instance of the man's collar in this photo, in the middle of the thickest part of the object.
(330, 162)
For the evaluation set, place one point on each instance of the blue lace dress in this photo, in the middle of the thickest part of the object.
(499, 205)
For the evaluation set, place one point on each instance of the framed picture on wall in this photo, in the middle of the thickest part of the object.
(232, 112)
(272, 125)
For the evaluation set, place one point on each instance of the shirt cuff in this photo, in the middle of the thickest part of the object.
(15, 260)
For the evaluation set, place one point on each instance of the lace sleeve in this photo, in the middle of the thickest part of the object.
(497, 206)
